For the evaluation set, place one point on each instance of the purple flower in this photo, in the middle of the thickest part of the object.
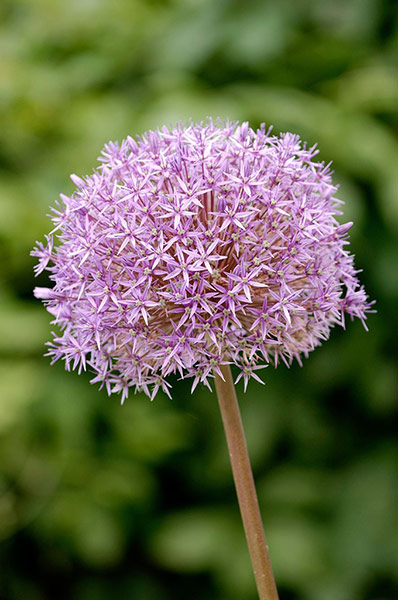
(195, 247)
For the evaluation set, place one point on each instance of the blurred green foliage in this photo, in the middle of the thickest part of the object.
(100, 501)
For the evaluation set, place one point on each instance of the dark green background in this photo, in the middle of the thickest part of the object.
(99, 501)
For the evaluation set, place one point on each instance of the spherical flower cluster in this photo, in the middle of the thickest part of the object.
(193, 247)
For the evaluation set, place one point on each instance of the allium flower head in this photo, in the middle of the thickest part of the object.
(193, 247)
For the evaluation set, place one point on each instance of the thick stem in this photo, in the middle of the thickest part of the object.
(244, 484)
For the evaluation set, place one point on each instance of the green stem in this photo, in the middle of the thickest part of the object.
(244, 484)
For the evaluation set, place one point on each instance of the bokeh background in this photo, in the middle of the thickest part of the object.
(137, 502)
